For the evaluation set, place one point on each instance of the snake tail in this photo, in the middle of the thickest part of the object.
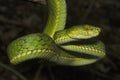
(64, 58)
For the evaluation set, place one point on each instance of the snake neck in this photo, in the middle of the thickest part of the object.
(61, 37)
(57, 17)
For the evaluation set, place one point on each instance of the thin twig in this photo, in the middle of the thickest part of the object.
(101, 74)
(12, 70)
(51, 73)
(114, 66)
(40, 1)
(38, 72)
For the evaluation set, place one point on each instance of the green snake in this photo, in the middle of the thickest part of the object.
(55, 44)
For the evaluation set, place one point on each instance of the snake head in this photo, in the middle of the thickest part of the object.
(83, 31)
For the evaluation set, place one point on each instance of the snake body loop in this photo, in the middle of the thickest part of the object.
(31, 46)
(96, 49)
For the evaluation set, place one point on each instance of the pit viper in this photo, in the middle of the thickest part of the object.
(56, 44)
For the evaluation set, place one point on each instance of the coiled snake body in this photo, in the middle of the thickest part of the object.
(49, 44)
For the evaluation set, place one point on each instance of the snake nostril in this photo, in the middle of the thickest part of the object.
(87, 27)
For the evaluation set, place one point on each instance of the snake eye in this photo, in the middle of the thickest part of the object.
(98, 29)
(87, 27)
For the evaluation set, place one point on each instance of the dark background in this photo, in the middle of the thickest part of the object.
(20, 17)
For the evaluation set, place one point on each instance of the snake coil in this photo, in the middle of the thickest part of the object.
(45, 45)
